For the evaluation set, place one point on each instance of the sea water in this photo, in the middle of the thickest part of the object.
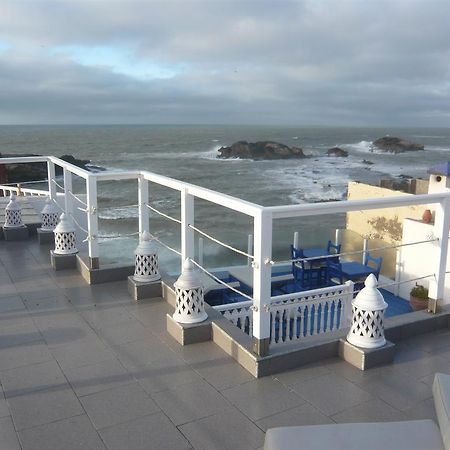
(189, 153)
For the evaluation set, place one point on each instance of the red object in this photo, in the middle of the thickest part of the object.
(427, 216)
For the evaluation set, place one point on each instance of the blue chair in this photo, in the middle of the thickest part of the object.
(334, 272)
(333, 249)
(376, 263)
(305, 275)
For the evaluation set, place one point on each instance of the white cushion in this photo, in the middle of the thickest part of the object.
(411, 435)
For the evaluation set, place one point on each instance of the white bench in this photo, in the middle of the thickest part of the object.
(408, 435)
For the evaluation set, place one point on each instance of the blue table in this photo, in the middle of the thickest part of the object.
(355, 271)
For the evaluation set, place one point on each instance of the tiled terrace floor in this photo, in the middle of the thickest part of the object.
(85, 368)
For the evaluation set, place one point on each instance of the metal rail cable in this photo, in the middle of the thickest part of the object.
(162, 214)
(165, 245)
(355, 252)
(77, 198)
(221, 281)
(220, 242)
(57, 184)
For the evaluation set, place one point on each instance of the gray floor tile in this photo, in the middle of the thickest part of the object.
(422, 410)
(8, 436)
(106, 316)
(190, 402)
(118, 405)
(223, 373)
(141, 353)
(98, 377)
(401, 392)
(24, 355)
(18, 335)
(372, 411)
(213, 432)
(11, 303)
(262, 398)
(150, 432)
(41, 407)
(331, 393)
(122, 333)
(74, 433)
(164, 374)
(304, 414)
(301, 374)
(419, 364)
(20, 381)
(83, 352)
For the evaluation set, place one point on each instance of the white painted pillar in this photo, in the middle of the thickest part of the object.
(68, 188)
(143, 202)
(249, 249)
(51, 177)
(187, 233)
(337, 236)
(398, 271)
(441, 231)
(92, 221)
(200, 251)
(365, 250)
(262, 272)
(295, 242)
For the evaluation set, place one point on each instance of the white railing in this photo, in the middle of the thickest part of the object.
(263, 217)
(6, 190)
(240, 314)
(303, 314)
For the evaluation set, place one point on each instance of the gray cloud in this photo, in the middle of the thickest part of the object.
(281, 62)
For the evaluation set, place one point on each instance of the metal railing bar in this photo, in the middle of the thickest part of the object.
(237, 291)
(173, 219)
(354, 252)
(217, 241)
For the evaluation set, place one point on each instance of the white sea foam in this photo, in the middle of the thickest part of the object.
(119, 213)
(362, 146)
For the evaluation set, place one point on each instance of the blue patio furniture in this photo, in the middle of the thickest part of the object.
(306, 275)
(333, 249)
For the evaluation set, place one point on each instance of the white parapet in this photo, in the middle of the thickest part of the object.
(367, 328)
(190, 305)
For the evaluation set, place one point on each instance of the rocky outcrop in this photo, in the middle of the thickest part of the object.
(260, 150)
(396, 145)
(337, 151)
(19, 173)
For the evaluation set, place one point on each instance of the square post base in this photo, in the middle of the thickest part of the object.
(16, 234)
(144, 290)
(63, 262)
(261, 346)
(366, 358)
(45, 237)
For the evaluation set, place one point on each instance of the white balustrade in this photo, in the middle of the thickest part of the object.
(367, 329)
(13, 214)
(240, 314)
(65, 240)
(190, 303)
(49, 216)
(146, 267)
(304, 314)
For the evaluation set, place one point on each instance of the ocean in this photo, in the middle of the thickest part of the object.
(189, 153)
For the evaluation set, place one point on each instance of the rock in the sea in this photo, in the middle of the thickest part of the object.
(336, 151)
(366, 161)
(260, 150)
(20, 173)
(396, 145)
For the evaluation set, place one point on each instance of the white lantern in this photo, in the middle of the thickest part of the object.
(190, 307)
(49, 216)
(367, 329)
(65, 242)
(13, 213)
(146, 267)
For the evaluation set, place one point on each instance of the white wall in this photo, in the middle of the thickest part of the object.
(419, 260)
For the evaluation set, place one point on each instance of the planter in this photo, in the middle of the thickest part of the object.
(418, 303)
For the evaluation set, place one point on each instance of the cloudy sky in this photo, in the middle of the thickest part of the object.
(305, 62)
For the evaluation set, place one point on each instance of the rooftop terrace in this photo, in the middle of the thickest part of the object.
(83, 366)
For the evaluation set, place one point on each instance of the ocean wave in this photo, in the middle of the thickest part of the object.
(119, 213)
(428, 137)
(361, 146)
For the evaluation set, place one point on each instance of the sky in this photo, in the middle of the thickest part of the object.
(278, 62)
